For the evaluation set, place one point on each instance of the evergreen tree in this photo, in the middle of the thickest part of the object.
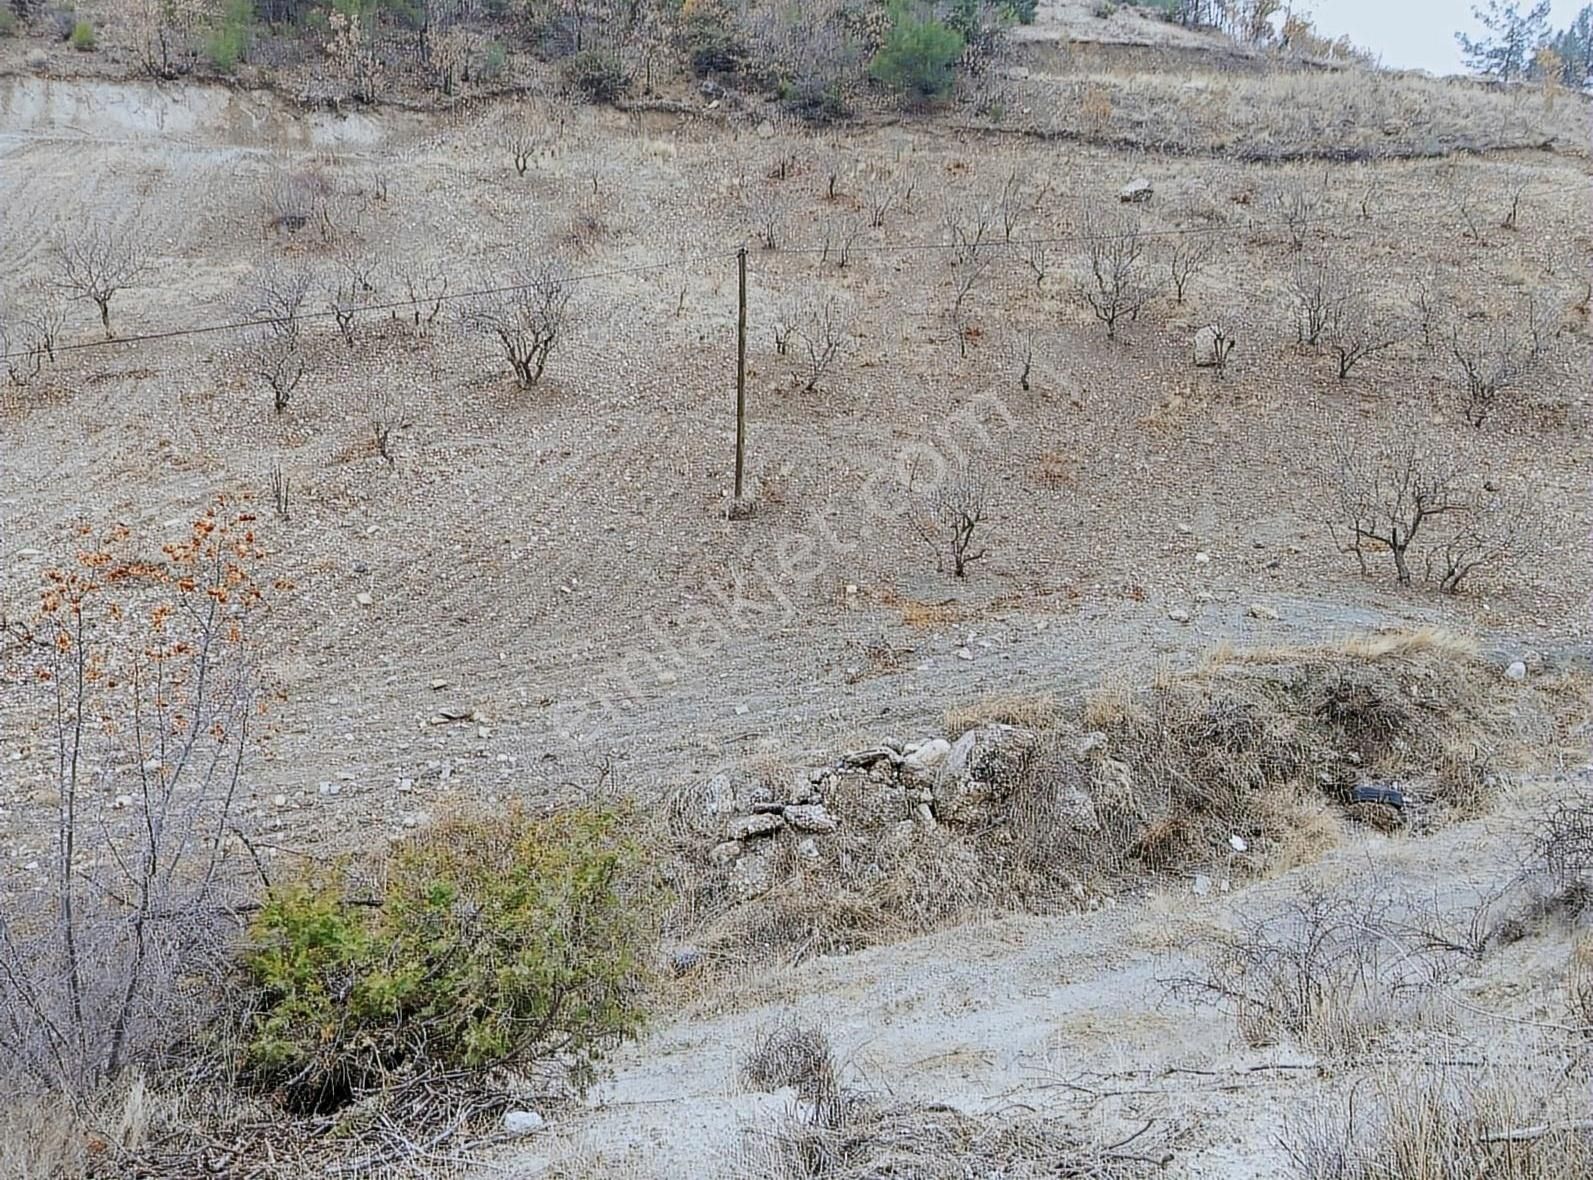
(1505, 51)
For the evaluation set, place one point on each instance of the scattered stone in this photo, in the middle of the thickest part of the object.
(726, 852)
(1237, 843)
(745, 827)
(1017, 73)
(867, 758)
(927, 756)
(1178, 615)
(810, 817)
(37, 59)
(1136, 191)
(122, 802)
(1517, 670)
(964, 654)
(684, 958)
(766, 130)
(925, 815)
(439, 685)
(279, 800)
(742, 710)
(1202, 558)
(807, 849)
(1265, 613)
(1202, 885)
(364, 598)
(522, 1122)
(667, 678)
(1534, 662)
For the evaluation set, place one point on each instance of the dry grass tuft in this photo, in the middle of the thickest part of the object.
(1025, 710)
(1442, 1126)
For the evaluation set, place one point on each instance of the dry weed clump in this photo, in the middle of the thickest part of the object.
(836, 1131)
(1335, 971)
(1439, 1126)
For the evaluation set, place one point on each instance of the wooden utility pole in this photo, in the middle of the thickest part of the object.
(741, 368)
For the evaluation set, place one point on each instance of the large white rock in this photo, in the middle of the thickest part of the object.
(523, 1122)
(1136, 191)
(928, 756)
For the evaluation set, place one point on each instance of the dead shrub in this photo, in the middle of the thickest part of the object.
(1433, 1126)
(1330, 971)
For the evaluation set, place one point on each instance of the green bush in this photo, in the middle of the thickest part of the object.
(597, 74)
(8, 20)
(1022, 11)
(918, 56)
(712, 46)
(496, 942)
(82, 38)
(228, 42)
(494, 60)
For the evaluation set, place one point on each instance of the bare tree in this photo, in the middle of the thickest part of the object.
(840, 237)
(27, 337)
(1516, 183)
(767, 209)
(1318, 288)
(1495, 529)
(386, 412)
(422, 286)
(1190, 255)
(787, 323)
(97, 262)
(350, 289)
(970, 234)
(1355, 330)
(1010, 205)
(1424, 304)
(1019, 351)
(1492, 357)
(1113, 281)
(825, 332)
(1296, 204)
(1384, 496)
(1038, 259)
(274, 302)
(527, 320)
(948, 518)
(534, 131)
(146, 699)
(883, 191)
(1462, 195)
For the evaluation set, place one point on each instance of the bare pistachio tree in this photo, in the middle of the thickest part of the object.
(1496, 529)
(1317, 288)
(884, 190)
(1113, 278)
(1296, 204)
(273, 302)
(421, 286)
(767, 206)
(1356, 329)
(528, 319)
(350, 288)
(840, 239)
(1516, 183)
(971, 238)
(949, 517)
(1383, 496)
(1462, 193)
(97, 262)
(1190, 255)
(28, 334)
(1491, 358)
(1019, 353)
(825, 333)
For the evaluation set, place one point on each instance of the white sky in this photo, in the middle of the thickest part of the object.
(1411, 34)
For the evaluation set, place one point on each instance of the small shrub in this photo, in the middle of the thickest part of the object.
(498, 941)
(598, 74)
(712, 46)
(1104, 9)
(8, 21)
(82, 38)
(494, 60)
(229, 40)
(918, 57)
(1022, 11)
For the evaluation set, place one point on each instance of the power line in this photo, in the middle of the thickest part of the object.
(445, 297)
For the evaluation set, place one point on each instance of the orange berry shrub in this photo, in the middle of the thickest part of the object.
(139, 680)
